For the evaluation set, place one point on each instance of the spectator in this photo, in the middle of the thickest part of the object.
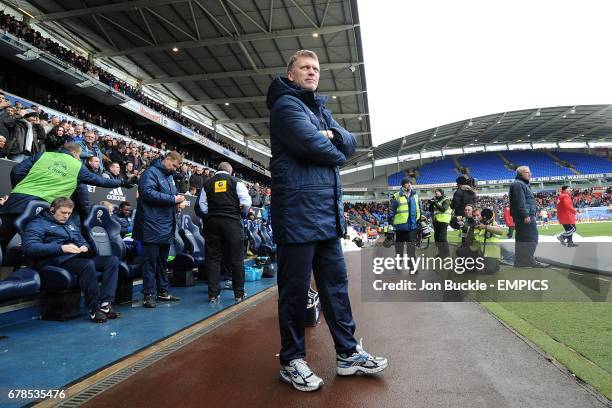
(90, 148)
(182, 179)
(24, 134)
(4, 113)
(113, 172)
(197, 179)
(2, 147)
(55, 138)
(93, 164)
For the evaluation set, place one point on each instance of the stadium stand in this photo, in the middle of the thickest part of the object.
(586, 163)
(486, 166)
(539, 163)
(440, 171)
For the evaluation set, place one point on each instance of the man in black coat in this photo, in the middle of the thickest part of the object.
(155, 224)
(523, 210)
(464, 195)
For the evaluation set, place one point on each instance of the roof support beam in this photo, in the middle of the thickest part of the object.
(122, 6)
(260, 98)
(517, 125)
(241, 74)
(578, 122)
(208, 42)
(266, 119)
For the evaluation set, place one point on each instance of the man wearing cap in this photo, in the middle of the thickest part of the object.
(24, 135)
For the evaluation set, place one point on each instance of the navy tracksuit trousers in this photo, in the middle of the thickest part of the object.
(85, 270)
(326, 261)
(526, 241)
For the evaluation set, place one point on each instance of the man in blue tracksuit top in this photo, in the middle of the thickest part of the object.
(308, 146)
(54, 240)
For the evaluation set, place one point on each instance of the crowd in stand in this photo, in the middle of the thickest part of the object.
(376, 213)
(25, 132)
(23, 31)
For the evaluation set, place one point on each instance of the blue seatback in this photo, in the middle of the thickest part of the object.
(267, 239)
(31, 211)
(194, 242)
(253, 231)
(104, 233)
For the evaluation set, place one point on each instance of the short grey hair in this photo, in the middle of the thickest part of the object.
(521, 169)
(225, 166)
(298, 54)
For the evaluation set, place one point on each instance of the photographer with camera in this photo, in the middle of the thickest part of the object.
(405, 216)
(486, 239)
(439, 206)
(465, 224)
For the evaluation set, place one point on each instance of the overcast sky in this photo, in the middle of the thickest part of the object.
(429, 63)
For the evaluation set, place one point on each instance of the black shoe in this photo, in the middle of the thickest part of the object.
(214, 300)
(571, 245)
(109, 311)
(164, 296)
(561, 240)
(239, 299)
(97, 316)
(148, 301)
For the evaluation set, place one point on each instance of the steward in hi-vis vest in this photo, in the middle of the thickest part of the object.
(405, 214)
(440, 207)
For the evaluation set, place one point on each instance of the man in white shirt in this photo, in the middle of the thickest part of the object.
(222, 200)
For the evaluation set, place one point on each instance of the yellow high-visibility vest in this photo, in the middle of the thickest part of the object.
(402, 211)
(492, 248)
(443, 216)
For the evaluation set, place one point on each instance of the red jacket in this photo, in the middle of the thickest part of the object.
(566, 213)
(508, 217)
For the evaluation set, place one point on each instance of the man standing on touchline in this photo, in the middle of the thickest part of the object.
(308, 146)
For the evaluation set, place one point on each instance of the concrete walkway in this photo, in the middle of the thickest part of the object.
(441, 355)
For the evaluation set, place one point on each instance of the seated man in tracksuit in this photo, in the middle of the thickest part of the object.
(123, 215)
(54, 240)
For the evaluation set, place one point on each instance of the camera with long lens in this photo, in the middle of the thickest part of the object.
(425, 228)
(487, 215)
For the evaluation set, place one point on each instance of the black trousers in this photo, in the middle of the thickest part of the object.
(224, 236)
(405, 239)
(510, 232)
(569, 232)
(440, 230)
(526, 241)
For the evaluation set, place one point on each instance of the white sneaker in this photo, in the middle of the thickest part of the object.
(298, 374)
(360, 361)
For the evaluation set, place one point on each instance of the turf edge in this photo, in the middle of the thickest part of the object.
(583, 368)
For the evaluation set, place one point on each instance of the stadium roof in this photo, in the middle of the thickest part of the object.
(537, 126)
(219, 57)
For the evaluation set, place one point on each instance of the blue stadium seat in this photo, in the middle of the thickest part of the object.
(267, 239)
(193, 240)
(21, 283)
(61, 294)
(540, 164)
(486, 166)
(103, 234)
(256, 242)
(586, 163)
